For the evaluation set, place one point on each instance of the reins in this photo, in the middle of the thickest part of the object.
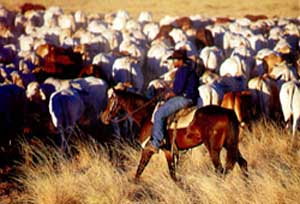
(138, 109)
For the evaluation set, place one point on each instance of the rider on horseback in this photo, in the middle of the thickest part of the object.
(184, 93)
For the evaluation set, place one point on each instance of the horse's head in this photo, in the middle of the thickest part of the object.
(113, 104)
(112, 107)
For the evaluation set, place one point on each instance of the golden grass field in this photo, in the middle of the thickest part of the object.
(95, 178)
(230, 8)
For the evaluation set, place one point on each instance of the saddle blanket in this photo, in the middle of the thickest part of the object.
(180, 119)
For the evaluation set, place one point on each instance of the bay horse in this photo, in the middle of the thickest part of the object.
(213, 126)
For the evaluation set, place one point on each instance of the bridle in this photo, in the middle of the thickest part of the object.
(130, 114)
(114, 106)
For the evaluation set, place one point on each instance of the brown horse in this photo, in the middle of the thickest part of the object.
(214, 126)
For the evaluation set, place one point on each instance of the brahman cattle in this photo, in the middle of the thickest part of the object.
(289, 100)
(50, 53)
(128, 69)
(265, 96)
(60, 63)
(209, 94)
(66, 107)
(12, 113)
(240, 102)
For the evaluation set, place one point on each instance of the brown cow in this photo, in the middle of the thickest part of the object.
(183, 23)
(240, 102)
(203, 38)
(31, 7)
(94, 70)
(255, 18)
(58, 62)
(164, 34)
(223, 20)
(44, 49)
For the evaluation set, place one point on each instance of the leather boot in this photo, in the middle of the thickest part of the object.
(151, 148)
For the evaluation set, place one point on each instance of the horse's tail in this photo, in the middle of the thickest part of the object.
(232, 138)
(234, 126)
(233, 153)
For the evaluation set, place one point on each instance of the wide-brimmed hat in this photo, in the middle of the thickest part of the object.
(179, 54)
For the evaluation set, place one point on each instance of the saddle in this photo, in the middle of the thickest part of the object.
(180, 119)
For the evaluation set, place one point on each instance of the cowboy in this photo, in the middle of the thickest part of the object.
(184, 93)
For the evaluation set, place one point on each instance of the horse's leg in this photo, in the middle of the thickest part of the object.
(231, 158)
(171, 163)
(215, 157)
(214, 153)
(242, 163)
(145, 158)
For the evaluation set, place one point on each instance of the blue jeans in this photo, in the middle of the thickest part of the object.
(169, 107)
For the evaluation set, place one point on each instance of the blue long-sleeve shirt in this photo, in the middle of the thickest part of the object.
(186, 83)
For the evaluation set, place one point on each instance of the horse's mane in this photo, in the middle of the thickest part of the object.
(130, 94)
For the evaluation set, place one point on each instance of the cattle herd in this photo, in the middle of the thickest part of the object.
(56, 67)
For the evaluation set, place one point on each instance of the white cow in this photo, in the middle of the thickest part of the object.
(283, 72)
(156, 56)
(289, 99)
(235, 66)
(275, 34)
(257, 42)
(151, 30)
(80, 19)
(105, 61)
(190, 48)
(133, 50)
(96, 26)
(178, 35)
(119, 22)
(114, 38)
(145, 17)
(51, 16)
(66, 108)
(93, 92)
(209, 94)
(128, 69)
(26, 42)
(67, 21)
(233, 40)
(212, 58)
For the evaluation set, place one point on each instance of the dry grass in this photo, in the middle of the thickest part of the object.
(94, 178)
(233, 8)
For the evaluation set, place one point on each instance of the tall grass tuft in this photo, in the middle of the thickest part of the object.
(100, 174)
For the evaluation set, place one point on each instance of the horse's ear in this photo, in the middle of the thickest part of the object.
(110, 92)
